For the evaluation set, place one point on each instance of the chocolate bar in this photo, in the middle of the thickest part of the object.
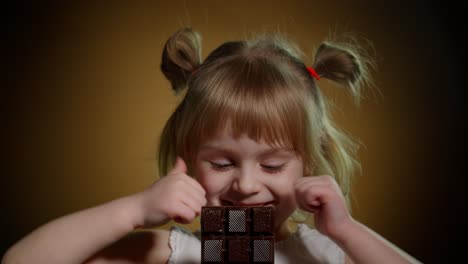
(236, 234)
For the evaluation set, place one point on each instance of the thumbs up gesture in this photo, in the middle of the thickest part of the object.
(176, 196)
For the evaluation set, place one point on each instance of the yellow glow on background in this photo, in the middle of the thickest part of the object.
(89, 101)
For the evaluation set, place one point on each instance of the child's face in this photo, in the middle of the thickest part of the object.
(245, 172)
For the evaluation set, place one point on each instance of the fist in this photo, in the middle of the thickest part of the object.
(176, 196)
(321, 196)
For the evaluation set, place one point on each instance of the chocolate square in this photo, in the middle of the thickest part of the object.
(263, 250)
(239, 250)
(263, 220)
(212, 219)
(237, 234)
(212, 251)
(237, 220)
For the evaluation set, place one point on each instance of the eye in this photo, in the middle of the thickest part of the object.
(220, 165)
(273, 168)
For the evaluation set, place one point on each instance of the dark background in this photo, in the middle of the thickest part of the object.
(84, 102)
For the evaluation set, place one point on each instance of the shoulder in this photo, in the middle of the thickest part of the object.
(177, 245)
(184, 245)
(310, 246)
(146, 246)
(318, 241)
(160, 249)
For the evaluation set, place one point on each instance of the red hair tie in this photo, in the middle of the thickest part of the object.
(313, 73)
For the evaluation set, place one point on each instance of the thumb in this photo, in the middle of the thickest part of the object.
(179, 166)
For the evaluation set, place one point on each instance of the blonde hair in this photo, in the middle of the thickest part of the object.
(261, 88)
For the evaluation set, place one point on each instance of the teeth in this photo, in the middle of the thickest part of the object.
(229, 203)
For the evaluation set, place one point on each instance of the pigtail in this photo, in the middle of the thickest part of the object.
(346, 64)
(181, 56)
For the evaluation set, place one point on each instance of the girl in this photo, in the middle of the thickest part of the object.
(253, 129)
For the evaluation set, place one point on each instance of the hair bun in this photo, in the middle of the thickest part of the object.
(344, 63)
(181, 56)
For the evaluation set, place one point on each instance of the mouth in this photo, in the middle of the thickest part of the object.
(229, 203)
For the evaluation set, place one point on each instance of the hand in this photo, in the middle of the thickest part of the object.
(322, 196)
(176, 196)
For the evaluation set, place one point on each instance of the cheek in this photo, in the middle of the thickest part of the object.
(284, 185)
(210, 185)
(211, 182)
(292, 175)
(296, 172)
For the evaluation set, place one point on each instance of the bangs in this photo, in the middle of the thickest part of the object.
(252, 97)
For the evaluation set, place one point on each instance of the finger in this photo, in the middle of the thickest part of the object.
(317, 196)
(312, 206)
(303, 186)
(184, 214)
(314, 180)
(194, 200)
(179, 166)
(196, 185)
(323, 181)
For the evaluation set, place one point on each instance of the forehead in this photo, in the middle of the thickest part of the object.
(231, 135)
(225, 141)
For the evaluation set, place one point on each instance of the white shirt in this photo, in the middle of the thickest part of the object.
(305, 246)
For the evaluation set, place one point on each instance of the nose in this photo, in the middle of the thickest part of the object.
(246, 182)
